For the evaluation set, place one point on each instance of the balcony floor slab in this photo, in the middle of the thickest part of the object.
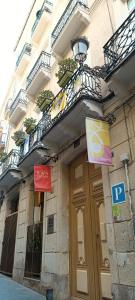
(9, 178)
(78, 21)
(42, 77)
(18, 113)
(71, 124)
(36, 155)
(122, 80)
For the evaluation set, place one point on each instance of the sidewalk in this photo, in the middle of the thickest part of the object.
(11, 290)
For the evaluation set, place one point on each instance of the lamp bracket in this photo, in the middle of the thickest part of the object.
(101, 71)
(110, 118)
(54, 158)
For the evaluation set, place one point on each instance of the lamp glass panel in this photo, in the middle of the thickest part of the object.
(82, 48)
(80, 51)
(131, 4)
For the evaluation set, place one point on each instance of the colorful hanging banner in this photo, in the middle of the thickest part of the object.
(98, 142)
(42, 178)
(58, 104)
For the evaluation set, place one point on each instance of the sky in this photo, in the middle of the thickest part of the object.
(12, 17)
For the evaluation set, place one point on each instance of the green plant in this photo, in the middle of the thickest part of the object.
(29, 124)
(44, 99)
(66, 70)
(3, 155)
(19, 137)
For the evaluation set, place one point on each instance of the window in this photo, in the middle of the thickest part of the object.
(26, 145)
(50, 224)
(38, 207)
(131, 4)
(14, 205)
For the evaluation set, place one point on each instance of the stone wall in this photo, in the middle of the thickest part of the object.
(121, 240)
(21, 232)
(2, 224)
(55, 257)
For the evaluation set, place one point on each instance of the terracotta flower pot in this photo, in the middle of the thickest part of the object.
(30, 129)
(45, 104)
(65, 78)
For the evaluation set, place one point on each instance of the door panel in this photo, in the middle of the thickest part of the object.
(34, 250)
(7, 258)
(88, 242)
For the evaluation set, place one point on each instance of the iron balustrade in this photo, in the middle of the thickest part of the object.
(20, 98)
(35, 136)
(121, 45)
(3, 139)
(45, 7)
(84, 84)
(73, 4)
(26, 50)
(42, 61)
(10, 161)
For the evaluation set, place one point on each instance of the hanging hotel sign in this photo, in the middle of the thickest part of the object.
(42, 178)
(98, 142)
(58, 104)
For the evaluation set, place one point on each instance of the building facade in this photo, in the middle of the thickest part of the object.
(71, 243)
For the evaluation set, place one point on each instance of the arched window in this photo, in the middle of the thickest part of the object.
(131, 4)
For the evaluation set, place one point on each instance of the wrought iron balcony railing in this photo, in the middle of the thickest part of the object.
(66, 16)
(121, 45)
(20, 98)
(42, 61)
(10, 162)
(45, 7)
(3, 139)
(26, 50)
(84, 84)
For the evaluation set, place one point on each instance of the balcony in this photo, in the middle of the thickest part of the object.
(9, 172)
(42, 19)
(23, 59)
(73, 20)
(39, 74)
(3, 139)
(64, 119)
(18, 107)
(119, 54)
(33, 151)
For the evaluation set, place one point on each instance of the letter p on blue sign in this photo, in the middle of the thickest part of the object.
(118, 193)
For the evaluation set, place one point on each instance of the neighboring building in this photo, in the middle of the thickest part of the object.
(70, 241)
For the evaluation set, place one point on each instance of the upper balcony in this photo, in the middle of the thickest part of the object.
(43, 17)
(33, 151)
(9, 172)
(119, 54)
(3, 139)
(18, 107)
(73, 20)
(23, 59)
(60, 123)
(39, 74)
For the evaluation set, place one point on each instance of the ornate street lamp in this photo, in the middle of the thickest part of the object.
(80, 47)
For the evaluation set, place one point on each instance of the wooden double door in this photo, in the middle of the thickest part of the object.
(8, 249)
(89, 259)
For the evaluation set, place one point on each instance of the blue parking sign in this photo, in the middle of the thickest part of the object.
(118, 193)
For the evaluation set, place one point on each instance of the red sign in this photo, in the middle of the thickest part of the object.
(42, 178)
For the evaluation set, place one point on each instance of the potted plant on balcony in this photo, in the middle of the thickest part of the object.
(30, 124)
(44, 99)
(19, 137)
(3, 155)
(66, 70)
